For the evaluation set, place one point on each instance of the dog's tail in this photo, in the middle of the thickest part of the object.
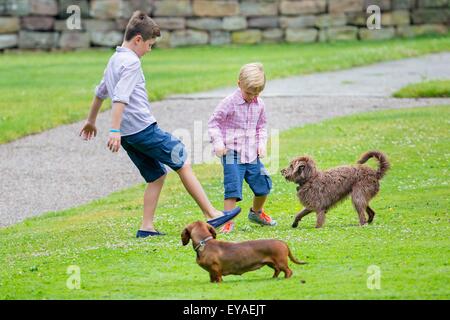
(295, 260)
(383, 162)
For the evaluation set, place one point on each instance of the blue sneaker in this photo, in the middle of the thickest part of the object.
(145, 234)
(227, 216)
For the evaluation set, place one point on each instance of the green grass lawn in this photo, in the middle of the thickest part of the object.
(426, 89)
(40, 91)
(408, 241)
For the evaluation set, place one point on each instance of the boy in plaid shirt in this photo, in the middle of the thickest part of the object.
(238, 132)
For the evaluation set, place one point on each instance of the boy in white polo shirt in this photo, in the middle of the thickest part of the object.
(134, 127)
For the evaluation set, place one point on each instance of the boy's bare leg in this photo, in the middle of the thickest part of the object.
(151, 196)
(196, 191)
(258, 203)
(229, 204)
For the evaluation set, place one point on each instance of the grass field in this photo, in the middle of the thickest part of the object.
(43, 90)
(408, 241)
(426, 89)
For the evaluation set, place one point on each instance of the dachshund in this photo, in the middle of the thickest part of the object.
(221, 258)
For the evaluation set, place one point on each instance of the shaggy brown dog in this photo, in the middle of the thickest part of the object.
(221, 258)
(320, 190)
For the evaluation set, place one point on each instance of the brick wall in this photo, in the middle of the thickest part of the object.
(41, 24)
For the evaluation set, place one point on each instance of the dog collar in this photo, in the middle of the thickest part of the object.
(202, 243)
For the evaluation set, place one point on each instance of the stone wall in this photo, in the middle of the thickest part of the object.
(42, 24)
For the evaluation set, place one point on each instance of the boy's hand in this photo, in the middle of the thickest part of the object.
(261, 152)
(114, 141)
(221, 152)
(88, 131)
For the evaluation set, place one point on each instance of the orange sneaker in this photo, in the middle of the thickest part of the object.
(228, 227)
(261, 218)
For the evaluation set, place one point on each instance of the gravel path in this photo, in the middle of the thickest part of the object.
(56, 170)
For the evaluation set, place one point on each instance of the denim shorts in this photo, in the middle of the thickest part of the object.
(234, 173)
(151, 149)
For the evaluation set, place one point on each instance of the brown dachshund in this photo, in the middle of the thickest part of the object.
(221, 258)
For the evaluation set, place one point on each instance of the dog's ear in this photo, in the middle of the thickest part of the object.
(212, 230)
(299, 167)
(310, 168)
(304, 169)
(297, 170)
(185, 236)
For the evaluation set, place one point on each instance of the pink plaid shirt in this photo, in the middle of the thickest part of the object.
(240, 126)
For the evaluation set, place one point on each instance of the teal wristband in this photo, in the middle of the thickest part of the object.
(114, 130)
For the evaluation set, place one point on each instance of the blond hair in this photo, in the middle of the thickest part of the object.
(252, 77)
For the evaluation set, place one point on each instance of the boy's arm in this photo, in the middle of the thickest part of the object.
(261, 132)
(114, 135)
(214, 126)
(117, 110)
(101, 93)
(95, 108)
(89, 129)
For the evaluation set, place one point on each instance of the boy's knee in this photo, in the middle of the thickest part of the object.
(186, 166)
(162, 177)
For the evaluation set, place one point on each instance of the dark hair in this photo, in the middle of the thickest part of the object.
(141, 23)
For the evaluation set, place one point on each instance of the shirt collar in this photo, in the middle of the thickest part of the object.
(239, 99)
(123, 49)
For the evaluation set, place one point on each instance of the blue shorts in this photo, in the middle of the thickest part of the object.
(234, 173)
(151, 149)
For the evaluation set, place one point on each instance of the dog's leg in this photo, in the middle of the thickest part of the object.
(282, 264)
(215, 273)
(320, 219)
(371, 214)
(274, 267)
(287, 272)
(276, 272)
(361, 209)
(300, 216)
(362, 217)
(360, 204)
(215, 277)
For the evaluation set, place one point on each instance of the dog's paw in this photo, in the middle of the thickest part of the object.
(365, 225)
(295, 224)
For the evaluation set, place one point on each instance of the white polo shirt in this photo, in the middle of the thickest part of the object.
(124, 81)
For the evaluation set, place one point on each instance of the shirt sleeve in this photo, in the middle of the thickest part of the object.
(261, 131)
(129, 78)
(215, 124)
(101, 91)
